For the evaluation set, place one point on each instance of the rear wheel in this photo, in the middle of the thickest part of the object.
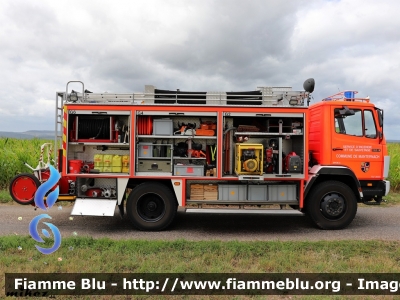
(151, 206)
(23, 188)
(331, 205)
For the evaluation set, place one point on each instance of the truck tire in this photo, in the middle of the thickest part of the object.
(331, 205)
(151, 206)
(23, 188)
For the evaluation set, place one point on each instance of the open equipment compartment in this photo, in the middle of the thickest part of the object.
(183, 143)
(270, 145)
(98, 142)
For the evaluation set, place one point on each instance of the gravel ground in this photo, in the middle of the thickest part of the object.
(371, 223)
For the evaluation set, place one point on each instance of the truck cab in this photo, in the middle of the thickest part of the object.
(346, 134)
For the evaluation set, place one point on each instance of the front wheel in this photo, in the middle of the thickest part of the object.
(151, 206)
(23, 188)
(331, 205)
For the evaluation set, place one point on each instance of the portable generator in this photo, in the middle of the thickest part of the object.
(292, 163)
(249, 159)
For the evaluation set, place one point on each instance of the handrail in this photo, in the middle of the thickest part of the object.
(346, 96)
(76, 81)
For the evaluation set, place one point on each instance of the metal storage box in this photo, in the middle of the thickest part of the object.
(146, 165)
(163, 127)
(188, 170)
(145, 149)
(282, 192)
(257, 192)
(232, 192)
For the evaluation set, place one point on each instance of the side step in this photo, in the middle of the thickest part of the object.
(285, 212)
(94, 207)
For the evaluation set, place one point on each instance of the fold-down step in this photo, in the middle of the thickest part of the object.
(94, 207)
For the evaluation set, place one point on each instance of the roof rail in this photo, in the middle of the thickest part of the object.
(263, 96)
(346, 96)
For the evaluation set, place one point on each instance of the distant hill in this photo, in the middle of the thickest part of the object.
(30, 134)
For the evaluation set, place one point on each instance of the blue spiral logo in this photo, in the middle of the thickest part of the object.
(39, 202)
(45, 187)
(33, 231)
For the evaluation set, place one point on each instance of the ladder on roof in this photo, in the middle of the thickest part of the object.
(61, 98)
(264, 96)
(58, 137)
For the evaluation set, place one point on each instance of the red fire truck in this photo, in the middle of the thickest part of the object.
(257, 151)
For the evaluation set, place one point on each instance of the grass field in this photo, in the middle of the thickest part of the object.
(82, 254)
(14, 153)
(394, 171)
(87, 255)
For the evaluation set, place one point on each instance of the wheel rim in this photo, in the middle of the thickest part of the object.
(24, 189)
(151, 207)
(333, 206)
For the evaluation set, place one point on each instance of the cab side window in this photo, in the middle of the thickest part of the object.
(349, 124)
(370, 128)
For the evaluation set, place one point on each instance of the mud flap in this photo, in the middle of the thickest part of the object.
(121, 209)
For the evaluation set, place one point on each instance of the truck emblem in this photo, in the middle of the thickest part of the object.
(365, 167)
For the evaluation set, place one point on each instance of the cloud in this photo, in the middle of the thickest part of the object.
(194, 45)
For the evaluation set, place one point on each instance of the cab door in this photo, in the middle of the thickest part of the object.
(356, 143)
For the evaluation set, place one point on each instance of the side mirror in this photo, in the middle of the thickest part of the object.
(380, 116)
(309, 85)
(380, 120)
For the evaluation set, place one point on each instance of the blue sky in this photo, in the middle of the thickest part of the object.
(120, 46)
